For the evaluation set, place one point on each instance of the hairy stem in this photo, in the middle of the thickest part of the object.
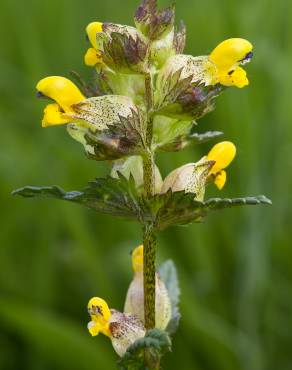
(149, 242)
(149, 237)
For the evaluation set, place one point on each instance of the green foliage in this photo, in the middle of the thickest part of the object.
(109, 195)
(168, 274)
(180, 208)
(156, 342)
(119, 197)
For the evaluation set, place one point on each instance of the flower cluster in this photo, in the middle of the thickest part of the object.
(147, 98)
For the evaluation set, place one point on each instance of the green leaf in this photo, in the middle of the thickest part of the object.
(168, 274)
(157, 342)
(120, 197)
(116, 196)
(183, 141)
(180, 208)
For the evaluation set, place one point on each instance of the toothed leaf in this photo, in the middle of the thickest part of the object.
(116, 196)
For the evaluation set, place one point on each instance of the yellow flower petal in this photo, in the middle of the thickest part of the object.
(137, 258)
(100, 314)
(220, 179)
(54, 116)
(93, 328)
(92, 57)
(223, 154)
(62, 90)
(229, 53)
(234, 78)
(92, 29)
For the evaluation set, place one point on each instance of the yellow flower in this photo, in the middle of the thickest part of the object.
(100, 315)
(135, 296)
(227, 56)
(64, 93)
(53, 116)
(93, 55)
(122, 329)
(223, 154)
(193, 177)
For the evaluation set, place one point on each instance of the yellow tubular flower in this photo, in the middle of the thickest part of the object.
(91, 30)
(227, 56)
(137, 259)
(235, 78)
(122, 329)
(223, 154)
(220, 179)
(62, 90)
(53, 116)
(93, 56)
(100, 315)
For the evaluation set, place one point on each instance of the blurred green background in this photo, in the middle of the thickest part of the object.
(235, 269)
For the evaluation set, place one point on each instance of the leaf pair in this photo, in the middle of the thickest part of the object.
(120, 197)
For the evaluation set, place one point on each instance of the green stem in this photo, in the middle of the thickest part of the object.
(149, 237)
(149, 242)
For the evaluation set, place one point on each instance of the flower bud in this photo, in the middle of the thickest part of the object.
(122, 48)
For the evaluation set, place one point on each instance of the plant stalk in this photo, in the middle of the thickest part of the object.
(149, 236)
(149, 242)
